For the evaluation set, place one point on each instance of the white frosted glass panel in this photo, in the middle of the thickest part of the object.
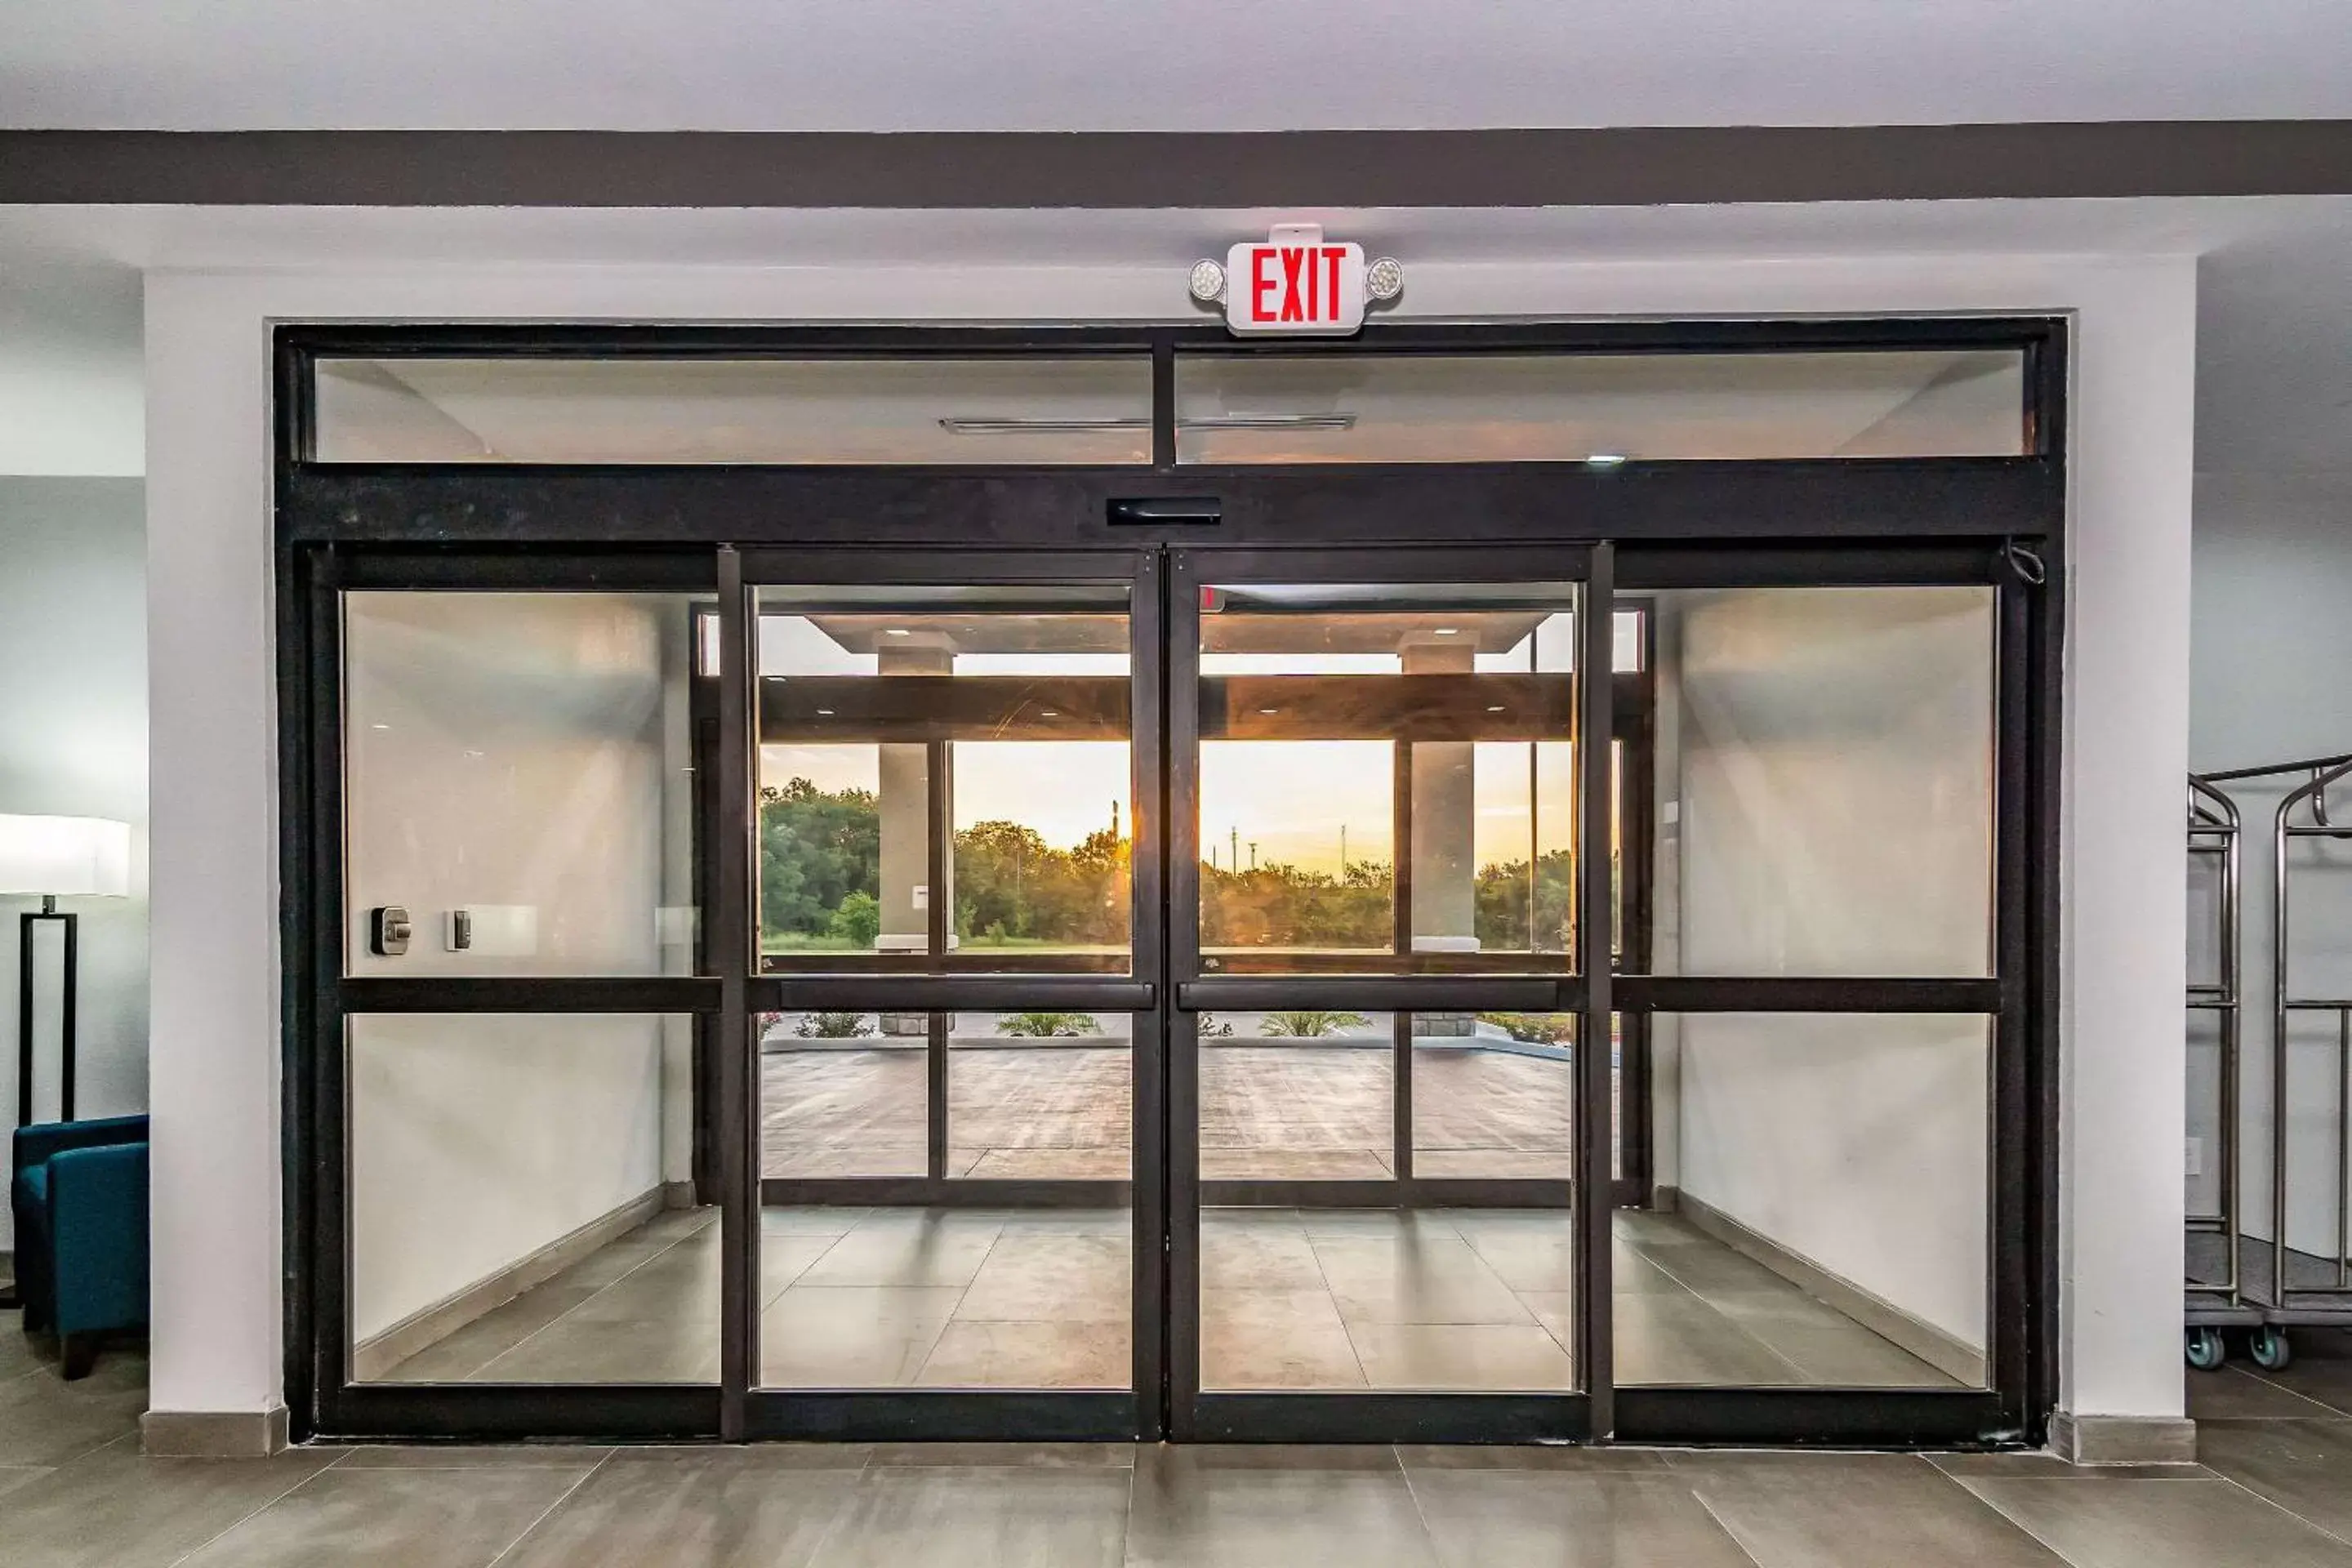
(1529, 407)
(1826, 781)
(519, 778)
(950, 411)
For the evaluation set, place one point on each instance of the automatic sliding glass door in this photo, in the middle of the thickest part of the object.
(954, 1043)
(1376, 822)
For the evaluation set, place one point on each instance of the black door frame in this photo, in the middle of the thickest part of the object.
(1997, 520)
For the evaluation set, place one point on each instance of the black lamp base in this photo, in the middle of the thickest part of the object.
(26, 925)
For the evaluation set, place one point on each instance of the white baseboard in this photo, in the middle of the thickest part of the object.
(213, 1433)
(430, 1324)
(1939, 1348)
(2123, 1439)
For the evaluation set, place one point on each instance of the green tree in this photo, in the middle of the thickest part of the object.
(858, 921)
(1280, 905)
(817, 848)
(1012, 885)
(1502, 900)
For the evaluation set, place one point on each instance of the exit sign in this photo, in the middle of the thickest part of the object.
(1294, 281)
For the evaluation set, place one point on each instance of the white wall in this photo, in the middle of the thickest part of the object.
(217, 1337)
(477, 1140)
(73, 743)
(2272, 645)
(1836, 816)
(512, 751)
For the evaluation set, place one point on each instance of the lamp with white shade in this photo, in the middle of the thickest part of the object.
(56, 857)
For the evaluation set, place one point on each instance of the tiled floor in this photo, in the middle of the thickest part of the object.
(1086, 1507)
(1291, 1298)
(2275, 1491)
(1308, 1111)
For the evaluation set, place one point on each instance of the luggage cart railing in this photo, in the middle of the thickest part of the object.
(2214, 838)
(2278, 1285)
(2304, 815)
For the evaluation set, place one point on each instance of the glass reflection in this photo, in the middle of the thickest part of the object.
(904, 737)
(1387, 778)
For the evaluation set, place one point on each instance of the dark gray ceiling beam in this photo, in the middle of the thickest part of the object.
(1622, 167)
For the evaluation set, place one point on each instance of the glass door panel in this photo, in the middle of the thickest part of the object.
(945, 779)
(947, 892)
(1386, 778)
(526, 1197)
(1382, 796)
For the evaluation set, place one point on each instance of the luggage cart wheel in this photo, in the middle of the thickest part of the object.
(2205, 1349)
(2269, 1347)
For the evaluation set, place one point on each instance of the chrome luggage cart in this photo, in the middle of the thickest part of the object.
(2293, 1287)
(2215, 1300)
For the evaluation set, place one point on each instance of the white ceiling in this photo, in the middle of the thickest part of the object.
(2275, 294)
(1083, 65)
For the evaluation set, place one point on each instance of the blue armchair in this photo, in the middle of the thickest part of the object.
(79, 1191)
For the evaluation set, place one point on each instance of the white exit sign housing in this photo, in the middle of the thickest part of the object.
(1295, 282)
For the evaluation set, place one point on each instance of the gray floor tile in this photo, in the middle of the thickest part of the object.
(1277, 1509)
(1030, 1355)
(2228, 1394)
(1275, 1338)
(1358, 1225)
(2321, 1371)
(1538, 1257)
(639, 1247)
(2048, 1466)
(2161, 1524)
(1009, 1456)
(1631, 1274)
(394, 1518)
(1662, 1339)
(19, 1353)
(117, 1509)
(922, 1517)
(2305, 1467)
(473, 1347)
(1529, 1519)
(795, 1456)
(852, 1336)
(14, 1476)
(1032, 1277)
(1707, 1266)
(45, 1420)
(1854, 1512)
(1572, 1458)
(715, 1508)
(1486, 1356)
(577, 1349)
(1366, 1459)
(913, 1249)
(469, 1456)
(1420, 1280)
(1258, 1257)
(1824, 1344)
(787, 1219)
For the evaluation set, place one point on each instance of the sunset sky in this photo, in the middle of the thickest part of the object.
(1291, 797)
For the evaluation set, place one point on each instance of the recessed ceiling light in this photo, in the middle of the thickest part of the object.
(379, 726)
(1449, 631)
(899, 632)
(824, 712)
(1496, 708)
(1269, 709)
(1605, 460)
(1049, 713)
